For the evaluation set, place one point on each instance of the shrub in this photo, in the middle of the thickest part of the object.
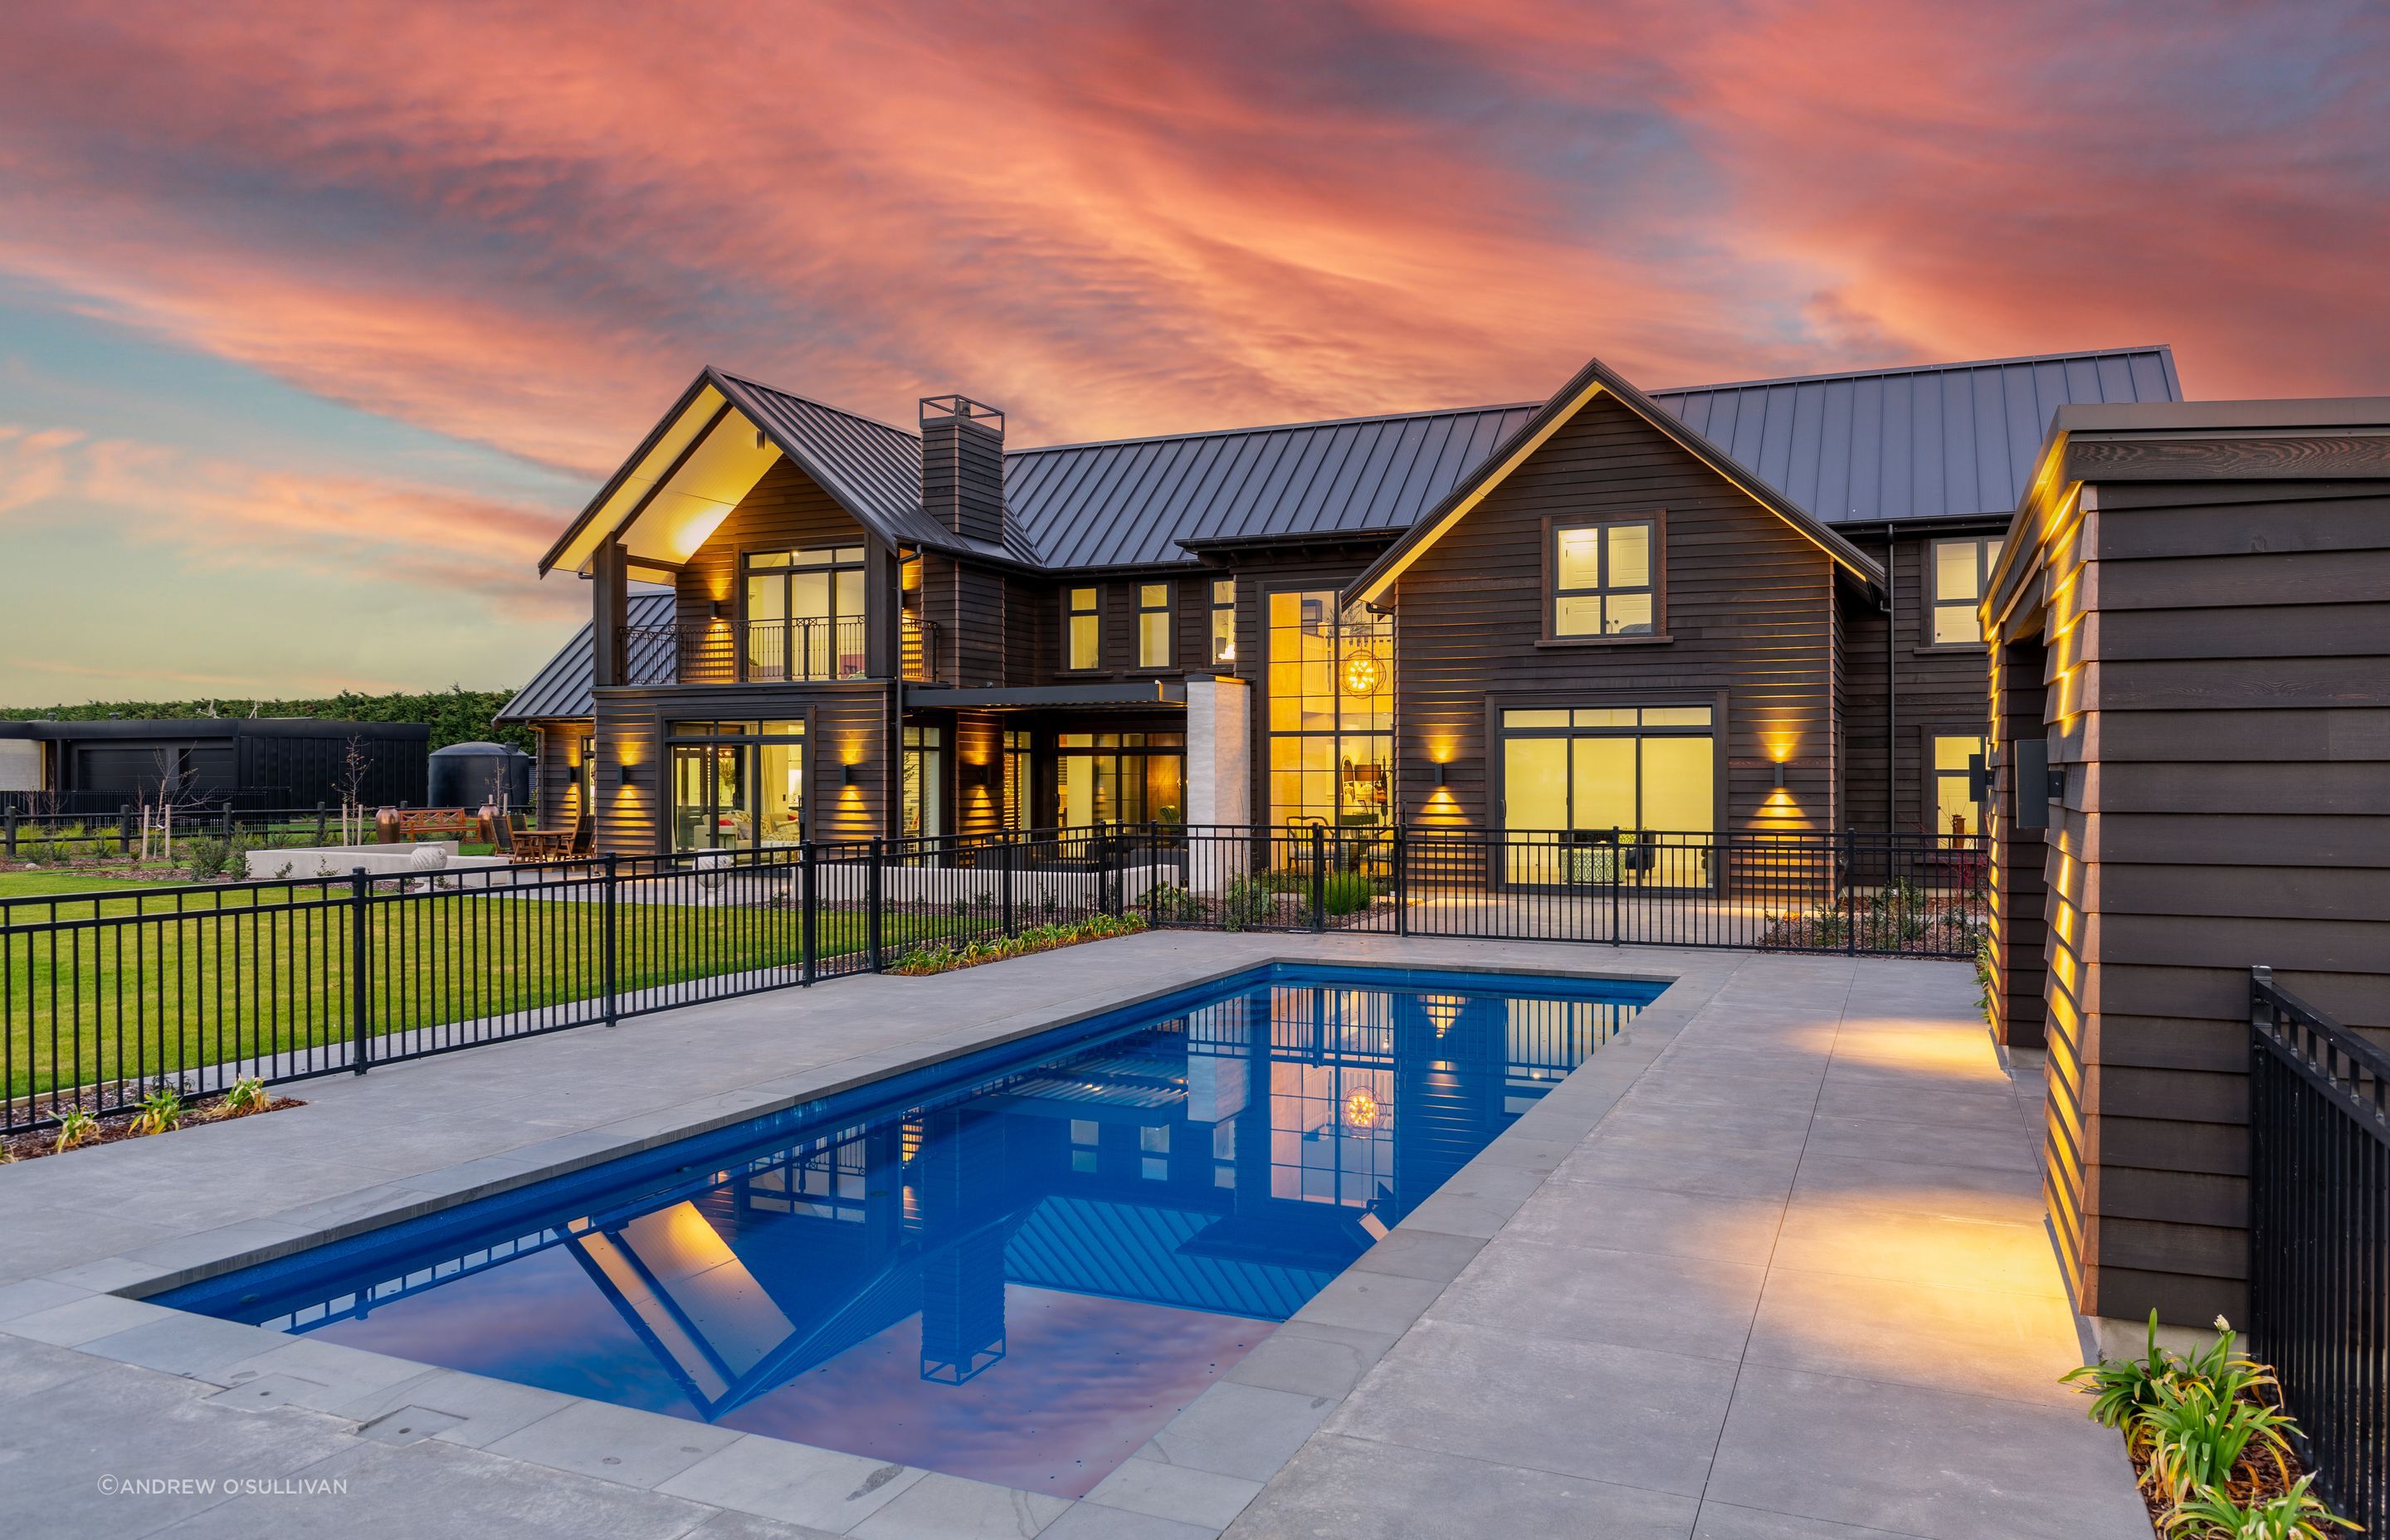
(1167, 901)
(75, 1126)
(940, 957)
(161, 1110)
(2297, 1514)
(1246, 903)
(2201, 1429)
(1346, 893)
(246, 1096)
(204, 855)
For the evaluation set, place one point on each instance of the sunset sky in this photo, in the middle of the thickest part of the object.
(317, 322)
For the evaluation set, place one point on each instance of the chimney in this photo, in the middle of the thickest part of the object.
(962, 466)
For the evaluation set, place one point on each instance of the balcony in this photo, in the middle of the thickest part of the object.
(799, 651)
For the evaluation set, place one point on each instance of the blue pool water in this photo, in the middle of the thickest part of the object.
(1014, 1266)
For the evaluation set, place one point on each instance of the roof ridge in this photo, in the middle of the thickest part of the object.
(1275, 427)
(755, 384)
(1909, 368)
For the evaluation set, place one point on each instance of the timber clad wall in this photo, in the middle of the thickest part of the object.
(785, 511)
(1935, 689)
(1751, 609)
(2218, 668)
(845, 723)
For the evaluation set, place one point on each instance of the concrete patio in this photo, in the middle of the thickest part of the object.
(1771, 1264)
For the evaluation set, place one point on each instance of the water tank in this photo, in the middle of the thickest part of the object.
(467, 774)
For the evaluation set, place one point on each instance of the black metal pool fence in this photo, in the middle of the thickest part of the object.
(105, 997)
(2320, 1239)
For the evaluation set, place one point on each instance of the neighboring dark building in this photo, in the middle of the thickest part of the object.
(2193, 618)
(248, 762)
(1735, 607)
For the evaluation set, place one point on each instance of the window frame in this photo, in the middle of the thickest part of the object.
(1168, 610)
(1071, 614)
(1987, 555)
(787, 571)
(1929, 776)
(1213, 611)
(1549, 592)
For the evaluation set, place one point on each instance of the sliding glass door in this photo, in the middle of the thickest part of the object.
(736, 785)
(1571, 776)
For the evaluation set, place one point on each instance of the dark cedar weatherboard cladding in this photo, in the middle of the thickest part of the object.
(1750, 609)
(2217, 659)
(785, 510)
(1937, 689)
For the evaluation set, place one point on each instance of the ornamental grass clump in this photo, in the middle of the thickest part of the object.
(2210, 1440)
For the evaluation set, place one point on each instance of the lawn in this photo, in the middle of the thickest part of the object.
(269, 971)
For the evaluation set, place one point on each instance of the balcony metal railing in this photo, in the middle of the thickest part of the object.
(765, 653)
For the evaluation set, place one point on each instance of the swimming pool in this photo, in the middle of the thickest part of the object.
(1013, 1266)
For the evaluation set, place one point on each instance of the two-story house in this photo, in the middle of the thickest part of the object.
(1722, 608)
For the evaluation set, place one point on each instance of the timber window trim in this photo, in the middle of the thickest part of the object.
(1157, 624)
(1562, 575)
(1083, 628)
(1949, 607)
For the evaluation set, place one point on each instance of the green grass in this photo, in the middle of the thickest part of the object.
(269, 971)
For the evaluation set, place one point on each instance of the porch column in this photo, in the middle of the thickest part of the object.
(1219, 773)
(610, 612)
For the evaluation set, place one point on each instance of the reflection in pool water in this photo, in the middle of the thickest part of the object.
(1017, 1273)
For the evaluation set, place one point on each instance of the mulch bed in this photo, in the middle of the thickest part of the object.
(114, 1126)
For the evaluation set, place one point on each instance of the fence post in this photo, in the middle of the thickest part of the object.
(360, 955)
(223, 824)
(1850, 894)
(608, 958)
(871, 907)
(323, 833)
(1617, 855)
(1009, 858)
(1402, 887)
(1318, 876)
(9, 831)
(808, 914)
(124, 828)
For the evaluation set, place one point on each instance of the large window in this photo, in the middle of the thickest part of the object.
(1952, 786)
(1120, 778)
(923, 803)
(1331, 712)
(1572, 774)
(1959, 571)
(1083, 628)
(736, 785)
(1224, 622)
(805, 614)
(1602, 578)
(1154, 623)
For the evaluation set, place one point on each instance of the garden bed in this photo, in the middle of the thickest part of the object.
(2214, 1449)
(127, 1123)
(923, 960)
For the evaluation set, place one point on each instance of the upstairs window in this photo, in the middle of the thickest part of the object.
(1957, 574)
(804, 613)
(1602, 579)
(1224, 622)
(1082, 626)
(1153, 619)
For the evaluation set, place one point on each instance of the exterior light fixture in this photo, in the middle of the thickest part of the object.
(721, 609)
(846, 773)
(759, 438)
(1779, 774)
(623, 775)
(1360, 1110)
(1439, 773)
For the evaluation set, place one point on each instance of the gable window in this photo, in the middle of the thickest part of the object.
(1082, 627)
(1153, 620)
(1958, 572)
(1224, 622)
(805, 614)
(1602, 579)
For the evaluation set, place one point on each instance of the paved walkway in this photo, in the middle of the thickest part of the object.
(1773, 1266)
